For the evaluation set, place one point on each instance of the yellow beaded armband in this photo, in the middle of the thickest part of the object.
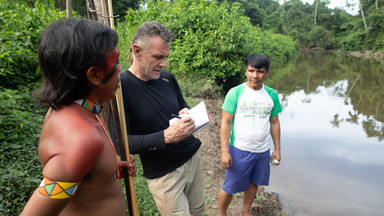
(58, 190)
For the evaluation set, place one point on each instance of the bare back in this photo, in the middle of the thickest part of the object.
(74, 148)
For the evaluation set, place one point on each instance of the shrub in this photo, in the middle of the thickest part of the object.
(20, 127)
(20, 27)
(211, 39)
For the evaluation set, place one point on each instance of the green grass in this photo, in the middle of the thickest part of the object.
(145, 202)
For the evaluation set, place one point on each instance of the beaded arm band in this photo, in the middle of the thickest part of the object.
(58, 190)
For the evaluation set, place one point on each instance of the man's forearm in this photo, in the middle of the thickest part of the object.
(275, 133)
(139, 143)
(224, 137)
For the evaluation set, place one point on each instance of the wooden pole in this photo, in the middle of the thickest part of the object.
(110, 10)
(315, 18)
(117, 109)
(104, 12)
(124, 155)
(69, 8)
(122, 139)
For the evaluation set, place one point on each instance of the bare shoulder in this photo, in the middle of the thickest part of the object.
(70, 143)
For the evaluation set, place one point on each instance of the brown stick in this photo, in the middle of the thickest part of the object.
(128, 180)
(122, 139)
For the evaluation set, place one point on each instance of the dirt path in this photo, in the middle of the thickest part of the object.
(267, 204)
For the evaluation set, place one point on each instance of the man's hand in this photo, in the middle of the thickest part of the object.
(179, 130)
(276, 154)
(131, 166)
(184, 111)
(226, 160)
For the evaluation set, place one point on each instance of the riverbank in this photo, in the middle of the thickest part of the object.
(362, 53)
(367, 54)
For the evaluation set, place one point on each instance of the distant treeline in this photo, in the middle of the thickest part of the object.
(311, 26)
(212, 38)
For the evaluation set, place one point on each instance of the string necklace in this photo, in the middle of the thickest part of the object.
(95, 109)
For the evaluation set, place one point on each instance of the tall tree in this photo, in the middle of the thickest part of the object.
(317, 4)
(362, 14)
(69, 8)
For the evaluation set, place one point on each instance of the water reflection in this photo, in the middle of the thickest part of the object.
(358, 80)
(332, 135)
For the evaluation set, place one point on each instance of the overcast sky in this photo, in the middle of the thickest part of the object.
(339, 4)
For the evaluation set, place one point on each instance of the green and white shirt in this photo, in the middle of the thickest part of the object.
(251, 110)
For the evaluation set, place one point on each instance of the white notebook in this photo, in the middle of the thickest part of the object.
(200, 114)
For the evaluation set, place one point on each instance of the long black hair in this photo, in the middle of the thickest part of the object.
(67, 48)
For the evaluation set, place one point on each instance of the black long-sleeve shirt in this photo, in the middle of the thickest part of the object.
(148, 107)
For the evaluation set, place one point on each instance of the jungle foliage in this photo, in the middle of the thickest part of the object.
(20, 27)
(334, 28)
(211, 39)
(320, 27)
(119, 7)
(20, 127)
(20, 121)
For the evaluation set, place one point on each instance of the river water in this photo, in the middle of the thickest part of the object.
(332, 135)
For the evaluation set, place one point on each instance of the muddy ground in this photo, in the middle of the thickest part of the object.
(267, 204)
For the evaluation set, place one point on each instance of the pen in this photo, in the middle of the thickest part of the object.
(176, 116)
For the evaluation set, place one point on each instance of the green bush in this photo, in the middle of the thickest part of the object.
(198, 87)
(20, 127)
(20, 27)
(211, 39)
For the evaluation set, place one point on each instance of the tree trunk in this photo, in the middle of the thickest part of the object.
(362, 14)
(317, 4)
(104, 19)
(91, 8)
(69, 8)
(97, 10)
(110, 12)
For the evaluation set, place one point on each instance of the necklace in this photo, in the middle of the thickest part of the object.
(89, 105)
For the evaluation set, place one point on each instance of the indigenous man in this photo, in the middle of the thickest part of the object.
(80, 64)
(249, 120)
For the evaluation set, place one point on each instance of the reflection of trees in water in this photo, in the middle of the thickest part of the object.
(365, 78)
(336, 121)
(353, 117)
(373, 129)
(306, 98)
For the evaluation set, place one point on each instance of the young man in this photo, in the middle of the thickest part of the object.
(80, 64)
(170, 154)
(249, 119)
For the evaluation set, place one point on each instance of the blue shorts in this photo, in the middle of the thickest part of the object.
(246, 167)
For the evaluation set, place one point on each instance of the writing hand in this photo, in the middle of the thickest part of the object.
(184, 111)
(179, 130)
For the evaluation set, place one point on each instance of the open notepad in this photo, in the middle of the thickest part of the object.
(200, 114)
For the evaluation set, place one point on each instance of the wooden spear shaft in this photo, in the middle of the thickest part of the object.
(122, 137)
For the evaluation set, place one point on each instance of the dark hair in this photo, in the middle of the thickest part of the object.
(67, 48)
(257, 60)
(149, 29)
